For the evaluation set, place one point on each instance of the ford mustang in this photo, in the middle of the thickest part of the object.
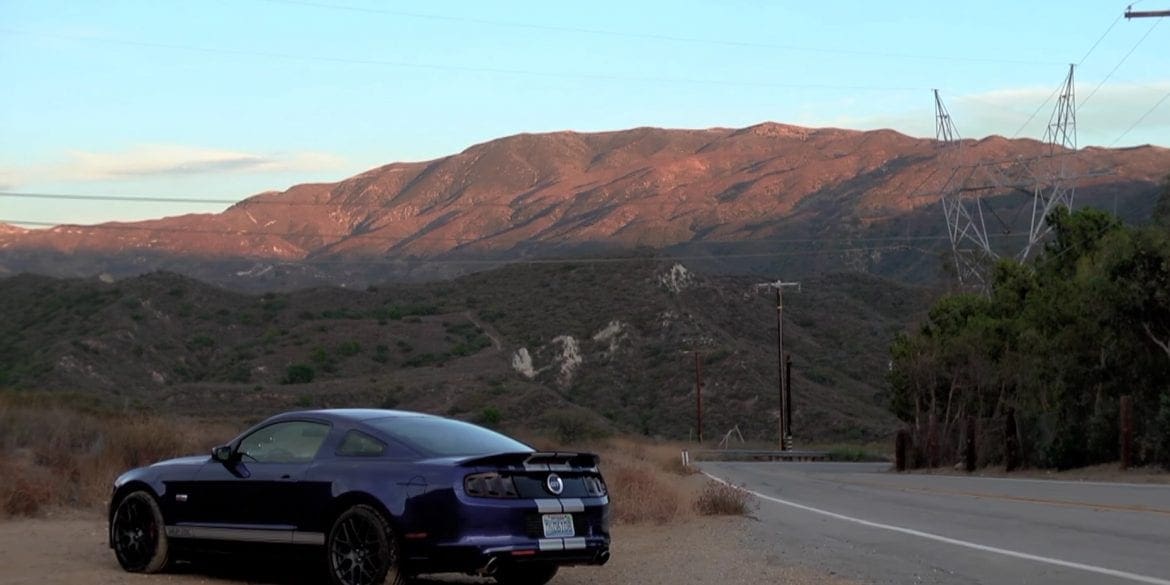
(379, 496)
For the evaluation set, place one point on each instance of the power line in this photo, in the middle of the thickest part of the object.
(415, 238)
(611, 260)
(1037, 112)
(1140, 119)
(649, 36)
(1099, 39)
(1057, 90)
(457, 68)
(1119, 64)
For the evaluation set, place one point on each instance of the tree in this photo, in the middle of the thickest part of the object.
(1058, 341)
(1162, 207)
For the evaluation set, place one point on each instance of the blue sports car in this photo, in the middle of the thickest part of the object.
(378, 495)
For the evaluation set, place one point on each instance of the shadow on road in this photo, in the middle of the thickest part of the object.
(277, 572)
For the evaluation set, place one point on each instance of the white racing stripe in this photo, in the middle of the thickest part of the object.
(552, 544)
(963, 543)
(573, 505)
(547, 506)
(577, 543)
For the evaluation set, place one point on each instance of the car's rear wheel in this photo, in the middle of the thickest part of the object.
(139, 534)
(526, 574)
(362, 549)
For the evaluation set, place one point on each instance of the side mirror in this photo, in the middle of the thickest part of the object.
(223, 454)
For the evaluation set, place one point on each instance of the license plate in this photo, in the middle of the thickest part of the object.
(558, 525)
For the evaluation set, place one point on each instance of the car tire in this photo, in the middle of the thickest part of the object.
(138, 534)
(361, 549)
(526, 574)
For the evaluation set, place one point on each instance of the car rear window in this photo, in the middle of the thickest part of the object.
(359, 444)
(439, 437)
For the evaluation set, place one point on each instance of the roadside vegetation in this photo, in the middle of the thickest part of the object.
(724, 499)
(54, 456)
(1043, 361)
(64, 452)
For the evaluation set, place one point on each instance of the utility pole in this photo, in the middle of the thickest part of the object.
(698, 397)
(785, 407)
(1130, 13)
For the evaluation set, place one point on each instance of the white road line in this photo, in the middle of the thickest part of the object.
(963, 543)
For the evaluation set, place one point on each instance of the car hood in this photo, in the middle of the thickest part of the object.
(188, 461)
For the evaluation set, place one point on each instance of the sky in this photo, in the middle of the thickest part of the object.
(223, 99)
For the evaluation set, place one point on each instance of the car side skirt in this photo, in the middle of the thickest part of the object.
(234, 534)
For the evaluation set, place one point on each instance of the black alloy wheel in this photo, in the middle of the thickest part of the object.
(362, 549)
(139, 535)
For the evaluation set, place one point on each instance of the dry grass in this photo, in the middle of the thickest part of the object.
(646, 479)
(723, 499)
(56, 456)
(640, 495)
(51, 455)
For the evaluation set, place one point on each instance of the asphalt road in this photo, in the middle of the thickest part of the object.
(862, 522)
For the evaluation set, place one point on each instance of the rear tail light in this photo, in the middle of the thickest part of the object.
(594, 486)
(489, 485)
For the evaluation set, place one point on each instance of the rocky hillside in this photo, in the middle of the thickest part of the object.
(767, 197)
(586, 345)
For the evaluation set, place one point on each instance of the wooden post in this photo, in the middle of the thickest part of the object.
(788, 399)
(1126, 432)
(1011, 445)
(698, 397)
(901, 449)
(969, 450)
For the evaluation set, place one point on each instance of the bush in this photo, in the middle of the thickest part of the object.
(52, 456)
(639, 495)
(572, 427)
(299, 374)
(852, 453)
(489, 417)
(723, 499)
(349, 348)
(673, 464)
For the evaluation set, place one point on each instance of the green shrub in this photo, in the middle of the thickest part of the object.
(571, 427)
(349, 348)
(299, 374)
(200, 342)
(489, 417)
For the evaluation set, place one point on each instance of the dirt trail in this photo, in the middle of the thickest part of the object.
(71, 550)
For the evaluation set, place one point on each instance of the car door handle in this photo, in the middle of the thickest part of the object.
(286, 477)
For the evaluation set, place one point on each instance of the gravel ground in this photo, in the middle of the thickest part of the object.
(69, 549)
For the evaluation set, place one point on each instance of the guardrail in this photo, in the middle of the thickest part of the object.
(751, 455)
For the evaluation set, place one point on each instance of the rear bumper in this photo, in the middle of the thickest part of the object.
(450, 531)
(484, 558)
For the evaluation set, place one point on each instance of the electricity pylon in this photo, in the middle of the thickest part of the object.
(1048, 180)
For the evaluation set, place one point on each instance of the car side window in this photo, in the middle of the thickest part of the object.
(359, 444)
(285, 442)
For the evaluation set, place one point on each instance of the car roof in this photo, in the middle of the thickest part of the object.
(353, 414)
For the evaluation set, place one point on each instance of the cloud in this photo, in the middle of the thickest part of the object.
(164, 160)
(1102, 116)
(169, 160)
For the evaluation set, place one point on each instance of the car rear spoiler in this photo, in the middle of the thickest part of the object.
(539, 461)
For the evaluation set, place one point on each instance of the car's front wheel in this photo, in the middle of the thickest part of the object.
(362, 549)
(526, 574)
(139, 534)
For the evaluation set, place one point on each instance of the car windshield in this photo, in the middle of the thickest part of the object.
(445, 438)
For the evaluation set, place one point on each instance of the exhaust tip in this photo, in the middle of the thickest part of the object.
(603, 557)
(490, 567)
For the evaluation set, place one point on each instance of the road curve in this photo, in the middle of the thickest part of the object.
(863, 522)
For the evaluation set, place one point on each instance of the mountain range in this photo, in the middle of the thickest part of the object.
(770, 197)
